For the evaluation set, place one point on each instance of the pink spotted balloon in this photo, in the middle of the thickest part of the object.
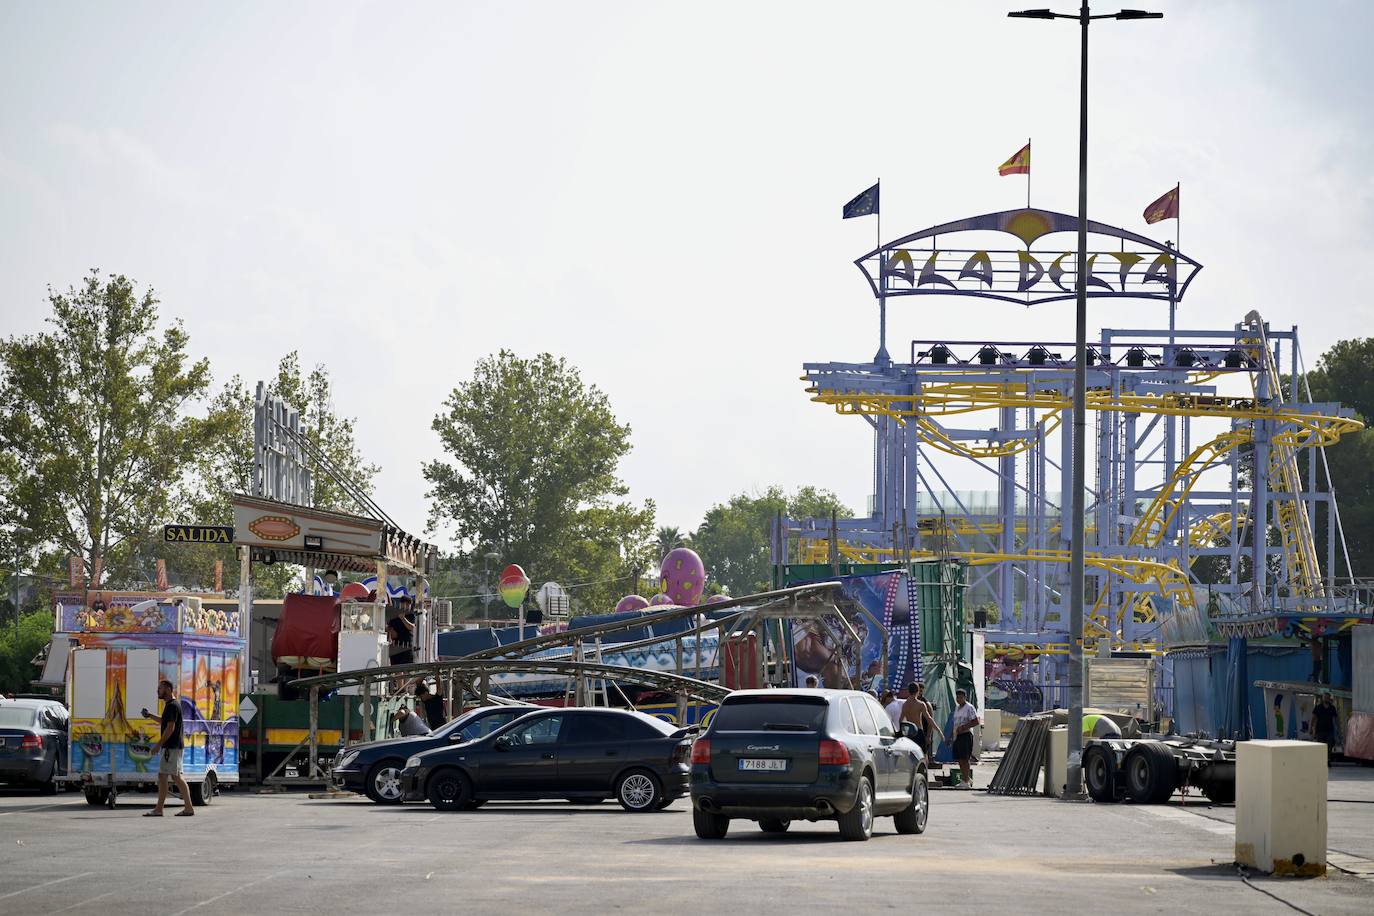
(659, 599)
(683, 576)
(631, 603)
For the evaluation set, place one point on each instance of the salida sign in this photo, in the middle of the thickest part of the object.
(198, 534)
(955, 259)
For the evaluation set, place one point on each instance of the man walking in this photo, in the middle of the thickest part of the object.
(965, 720)
(170, 743)
(1324, 718)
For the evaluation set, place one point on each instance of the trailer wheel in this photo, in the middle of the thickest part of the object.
(203, 793)
(1151, 773)
(1099, 772)
(96, 795)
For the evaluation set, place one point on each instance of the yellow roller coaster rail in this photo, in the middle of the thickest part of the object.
(954, 398)
(1170, 581)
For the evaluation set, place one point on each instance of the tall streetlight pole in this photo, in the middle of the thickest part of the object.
(19, 534)
(1077, 581)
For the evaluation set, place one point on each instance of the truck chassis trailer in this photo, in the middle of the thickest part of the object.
(1150, 769)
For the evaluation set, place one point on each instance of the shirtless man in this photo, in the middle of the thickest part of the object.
(917, 711)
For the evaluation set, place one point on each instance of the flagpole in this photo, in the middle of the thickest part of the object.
(1028, 171)
(1178, 215)
(882, 280)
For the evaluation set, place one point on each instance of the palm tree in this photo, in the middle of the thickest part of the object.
(666, 538)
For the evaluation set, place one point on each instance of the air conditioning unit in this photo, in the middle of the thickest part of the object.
(443, 613)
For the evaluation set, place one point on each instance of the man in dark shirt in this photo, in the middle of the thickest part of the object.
(432, 705)
(401, 631)
(1324, 724)
(170, 743)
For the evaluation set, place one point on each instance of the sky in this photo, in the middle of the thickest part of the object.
(653, 191)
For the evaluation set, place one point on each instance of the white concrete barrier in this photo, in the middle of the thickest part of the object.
(1281, 806)
(1057, 761)
(990, 732)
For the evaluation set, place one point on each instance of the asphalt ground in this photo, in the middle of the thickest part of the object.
(289, 853)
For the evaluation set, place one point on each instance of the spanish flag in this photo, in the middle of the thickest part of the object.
(1018, 164)
(1164, 208)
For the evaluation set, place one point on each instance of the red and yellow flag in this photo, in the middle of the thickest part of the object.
(1018, 164)
(1164, 208)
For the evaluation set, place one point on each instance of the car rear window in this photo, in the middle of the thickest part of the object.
(17, 716)
(764, 713)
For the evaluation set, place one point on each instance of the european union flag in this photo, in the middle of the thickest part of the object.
(863, 205)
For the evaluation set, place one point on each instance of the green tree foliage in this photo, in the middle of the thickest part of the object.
(225, 467)
(667, 539)
(17, 652)
(733, 539)
(533, 454)
(1345, 374)
(95, 423)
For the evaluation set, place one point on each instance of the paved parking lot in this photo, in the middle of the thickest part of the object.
(293, 854)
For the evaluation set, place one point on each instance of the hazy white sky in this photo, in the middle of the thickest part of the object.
(653, 191)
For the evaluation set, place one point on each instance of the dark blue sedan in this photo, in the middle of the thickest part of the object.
(33, 742)
(374, 768)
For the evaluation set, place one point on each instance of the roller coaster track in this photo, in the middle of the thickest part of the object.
(1295, 530)
(954, 398)
(1168, 579)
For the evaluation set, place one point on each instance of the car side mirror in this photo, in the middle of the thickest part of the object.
(457, 737)
(909, 731)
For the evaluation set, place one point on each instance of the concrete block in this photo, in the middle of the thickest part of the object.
(991, 729)
(1057, 761)
(1281, 807)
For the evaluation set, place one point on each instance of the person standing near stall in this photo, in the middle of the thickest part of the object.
(401, 632)
(965, 721)
(169, 743)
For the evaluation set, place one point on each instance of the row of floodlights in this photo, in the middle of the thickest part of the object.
(1134, 358)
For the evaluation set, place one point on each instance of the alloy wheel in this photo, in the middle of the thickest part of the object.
(637, 790)
(387, 782)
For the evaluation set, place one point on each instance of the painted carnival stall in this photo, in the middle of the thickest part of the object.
(123, 645)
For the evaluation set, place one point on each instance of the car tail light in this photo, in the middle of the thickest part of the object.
(701, 751)
(30, 743)
(833, 753)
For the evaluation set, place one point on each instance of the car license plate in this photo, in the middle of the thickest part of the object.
(766, 764)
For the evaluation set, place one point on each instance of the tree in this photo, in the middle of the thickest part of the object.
(534, 453)
(17, 651)
(95, 423)
(1345, 374)
(667, 539)
(733, 539)
(225, 467)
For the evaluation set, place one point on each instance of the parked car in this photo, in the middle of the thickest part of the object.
(33, 742)
(775, 756)
(374, 768)
(582, 755)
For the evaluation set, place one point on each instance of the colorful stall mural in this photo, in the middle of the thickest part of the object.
(128, 643)
(825, 650)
